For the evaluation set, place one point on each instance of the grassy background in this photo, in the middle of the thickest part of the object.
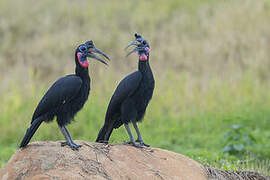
(211, 61)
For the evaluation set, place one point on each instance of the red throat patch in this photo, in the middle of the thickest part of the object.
(143, 57)
(85, 63)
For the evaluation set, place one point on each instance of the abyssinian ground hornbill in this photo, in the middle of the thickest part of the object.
(66, 96)
(131, 97)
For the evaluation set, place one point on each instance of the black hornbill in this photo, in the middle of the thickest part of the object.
(131, 97)
(66, 96)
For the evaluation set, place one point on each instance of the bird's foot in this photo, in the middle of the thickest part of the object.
(133, 143)
(72, 145)
(142, 143)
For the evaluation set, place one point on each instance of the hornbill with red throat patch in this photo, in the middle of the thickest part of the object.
(66, 96)
(131, 97)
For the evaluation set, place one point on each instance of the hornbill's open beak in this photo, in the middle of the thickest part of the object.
(135, 42)
(134, 50)
(91, 54)
(139, 39)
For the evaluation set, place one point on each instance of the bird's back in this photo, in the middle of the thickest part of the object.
(64, 89)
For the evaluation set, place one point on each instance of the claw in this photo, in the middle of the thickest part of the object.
(134, 144)
(73, 146)
(142, 143)
(63, 144)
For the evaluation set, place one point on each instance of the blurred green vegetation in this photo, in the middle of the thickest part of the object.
(211, 61)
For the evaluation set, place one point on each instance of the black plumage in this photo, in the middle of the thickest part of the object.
(131, 97)
(66, 96)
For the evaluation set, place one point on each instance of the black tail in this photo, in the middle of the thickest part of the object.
(104, 134)
(31, 131)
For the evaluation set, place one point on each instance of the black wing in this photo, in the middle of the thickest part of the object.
(63, 90)
(125, 89)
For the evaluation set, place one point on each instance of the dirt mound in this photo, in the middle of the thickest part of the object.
(48, 160)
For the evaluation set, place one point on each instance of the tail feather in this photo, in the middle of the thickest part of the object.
(104, 134)
(30, 132)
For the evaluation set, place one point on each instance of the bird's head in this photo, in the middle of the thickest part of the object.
(141, 46)
(87, 50)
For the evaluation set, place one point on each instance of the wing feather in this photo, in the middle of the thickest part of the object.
(125, 89)
(63, 90)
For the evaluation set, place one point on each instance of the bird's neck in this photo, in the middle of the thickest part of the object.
(147, 75)
(144, 66)
(80, 71)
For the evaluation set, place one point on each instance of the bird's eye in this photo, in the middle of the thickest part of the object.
(82, 48)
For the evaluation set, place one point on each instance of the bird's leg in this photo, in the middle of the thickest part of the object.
(139, 135)
(132, 141)
(108, 133)
(69, 141)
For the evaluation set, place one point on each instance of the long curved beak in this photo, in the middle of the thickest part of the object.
(92, 55)
(100, 52)
(134, 50)
(135, 42)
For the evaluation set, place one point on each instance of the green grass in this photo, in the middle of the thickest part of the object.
(210, 59)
